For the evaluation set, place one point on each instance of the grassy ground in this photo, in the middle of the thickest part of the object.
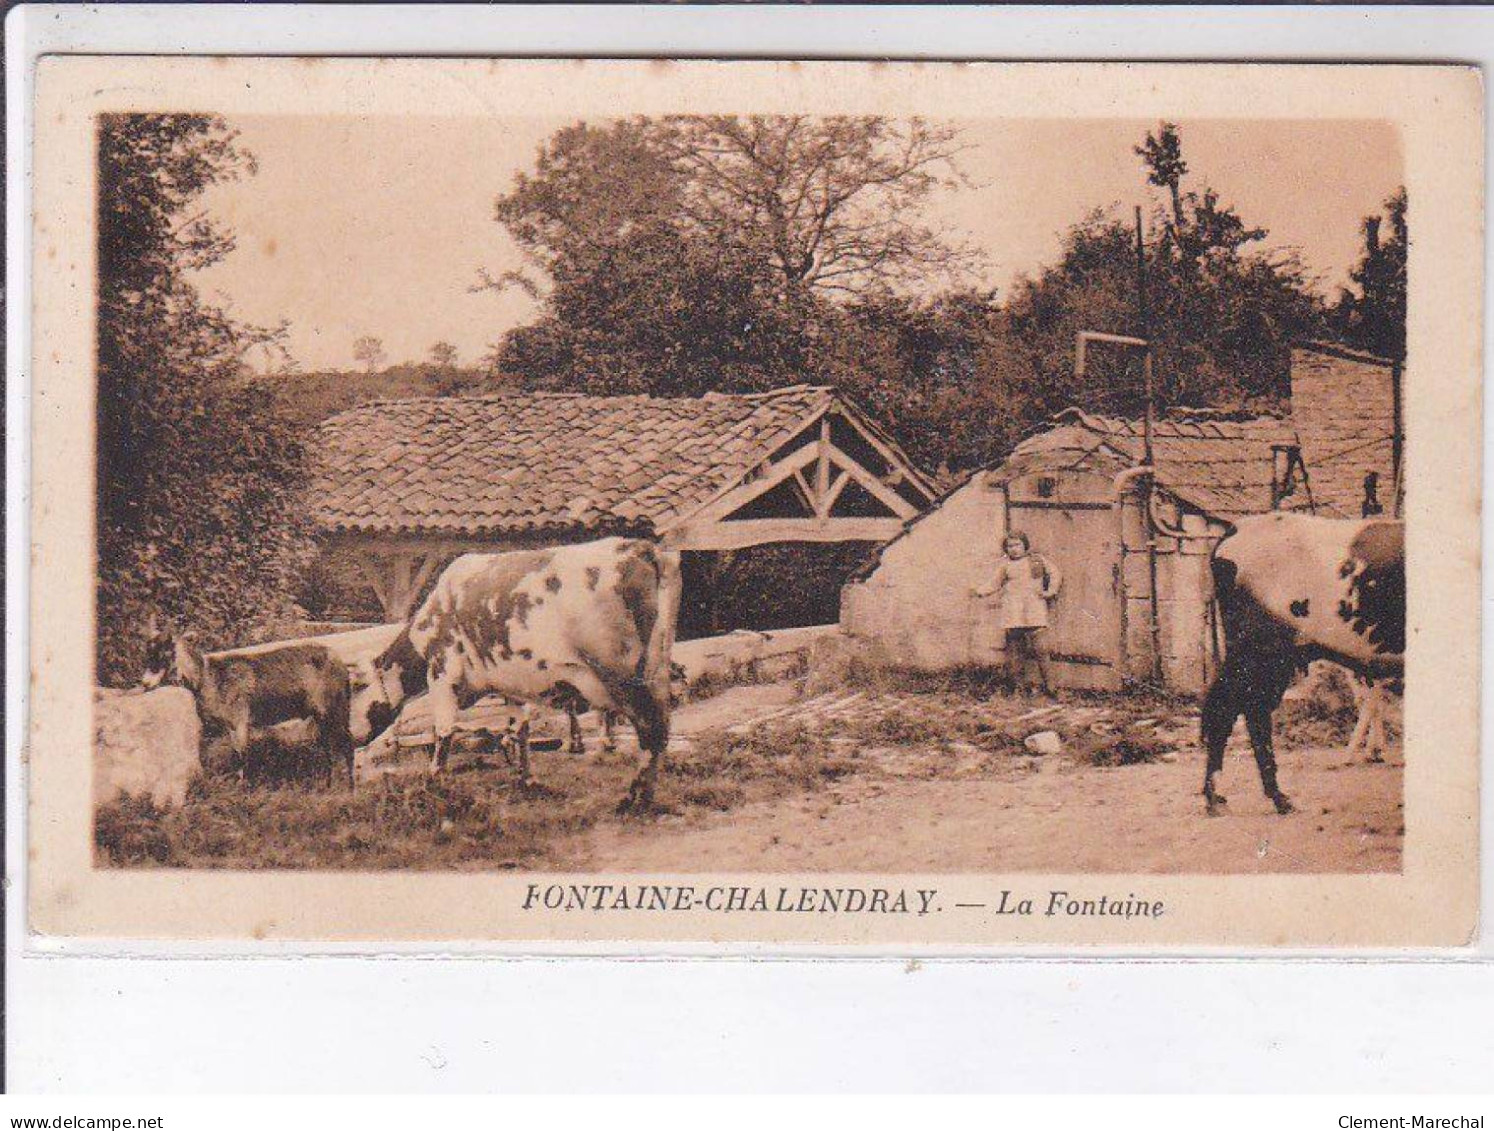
(884, 728)
(474, 816)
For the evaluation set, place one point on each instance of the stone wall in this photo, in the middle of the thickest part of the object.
(1343, 410)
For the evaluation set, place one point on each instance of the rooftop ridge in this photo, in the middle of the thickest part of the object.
(1101, 422)
(1220, 465)
(1334, 349)
(783, 391)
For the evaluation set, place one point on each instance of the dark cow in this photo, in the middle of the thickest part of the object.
(252, 693)
(160, 655)
(592, 623)
(1290, 589)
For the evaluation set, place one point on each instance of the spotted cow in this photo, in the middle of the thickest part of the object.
(1290, 589)
(589, 623)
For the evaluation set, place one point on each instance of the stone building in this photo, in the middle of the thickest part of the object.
(1073, 491)
(1346, 410)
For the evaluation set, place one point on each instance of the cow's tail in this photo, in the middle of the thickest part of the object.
(658, 649)
(1223, 572)
(645, 697)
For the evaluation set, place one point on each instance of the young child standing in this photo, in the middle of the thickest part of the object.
(1024, 583)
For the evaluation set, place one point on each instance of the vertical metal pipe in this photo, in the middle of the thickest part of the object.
(1146, 335)
(1146, 447)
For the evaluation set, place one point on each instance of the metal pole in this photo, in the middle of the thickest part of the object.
(1146, 335)
(1146, 447)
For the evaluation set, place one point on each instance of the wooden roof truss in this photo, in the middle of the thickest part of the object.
(835, 480)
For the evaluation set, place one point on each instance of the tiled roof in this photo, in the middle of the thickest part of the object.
(532, 462)
(1220, 465)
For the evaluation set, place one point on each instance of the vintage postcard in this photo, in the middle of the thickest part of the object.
(913, 506)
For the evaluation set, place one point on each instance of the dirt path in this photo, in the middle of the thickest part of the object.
(1051, 815)
(1128, 819)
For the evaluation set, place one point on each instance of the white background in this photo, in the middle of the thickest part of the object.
(85, 1023)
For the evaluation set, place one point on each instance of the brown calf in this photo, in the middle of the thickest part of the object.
(247, 694)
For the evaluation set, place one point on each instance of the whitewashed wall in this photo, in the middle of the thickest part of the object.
(916, 606)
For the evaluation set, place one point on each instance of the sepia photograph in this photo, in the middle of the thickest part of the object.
(853, 498)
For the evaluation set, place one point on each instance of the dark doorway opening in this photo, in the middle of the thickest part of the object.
(778, 585)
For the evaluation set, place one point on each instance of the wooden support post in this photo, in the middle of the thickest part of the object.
(874, 486)
(399, 587)
(425, 566)
(397, 578)
(806, 492)
(372, 567)
(822, 472)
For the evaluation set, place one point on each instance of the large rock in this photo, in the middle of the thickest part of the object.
(145, 743)
(1044, 742)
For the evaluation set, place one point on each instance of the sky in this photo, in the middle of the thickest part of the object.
(380, 225)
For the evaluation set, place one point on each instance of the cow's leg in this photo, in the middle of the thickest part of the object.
(443, 702)
(521, 740)
(1258, 723)
(336, 728)
(527, 783)
(1221, 707)
(440, 752)
(577, 746)
(311, 763)
(1361, 721)
(650, 717)
(339, 746)
(1369, 728)
(238, 742)
(321, 753)
(609, 720)
(1377, 742)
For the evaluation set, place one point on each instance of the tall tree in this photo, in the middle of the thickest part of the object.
(197, 513)
(945, 374)
(1196, 224)
(443, 355)
(368, 351)
(1221, 312)
(1373, 318)
(830, 205)
(696, 252)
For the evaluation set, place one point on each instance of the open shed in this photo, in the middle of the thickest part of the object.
(404, 486)
(1069, 489)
